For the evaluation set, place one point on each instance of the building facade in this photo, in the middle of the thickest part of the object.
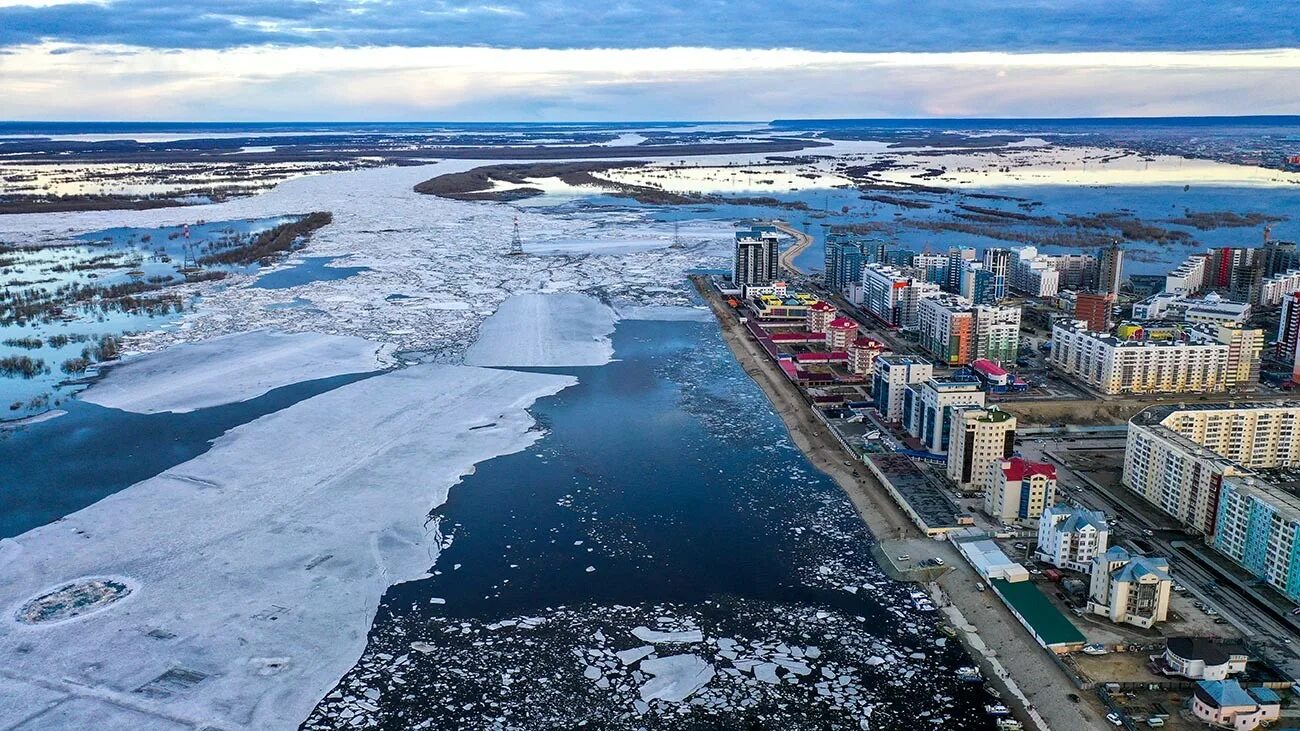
(893, 374)
(755, 260)
(955, 332)
(1130, 589)
(928, 409)
(1071, 537)
(893, 297)
(1021, 490)
(979, 440)
(1256, 526)
(1155, 357)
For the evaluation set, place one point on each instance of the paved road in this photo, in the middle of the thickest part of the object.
(1191, 562)
(801, 242)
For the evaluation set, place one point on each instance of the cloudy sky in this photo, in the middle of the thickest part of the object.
(558, 60)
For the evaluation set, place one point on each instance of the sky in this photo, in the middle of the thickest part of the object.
(605, 60)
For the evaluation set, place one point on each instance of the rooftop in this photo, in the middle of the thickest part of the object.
(1017, 468)
(1210, 651)
(1223, 694)
(988, 367)
(1052, 627)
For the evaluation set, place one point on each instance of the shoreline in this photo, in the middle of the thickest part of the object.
(994, 638)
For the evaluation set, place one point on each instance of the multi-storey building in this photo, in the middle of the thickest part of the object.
(998, 263)
(1077, 271)
(1021, 490)
(1110, 269)
(756, 259)
(977, 283)
(1188, 277)
(1155, 357)
(863, 353)
(957, 259)
(1130, 589)
(1245, 348)
(1212, 309)
(846, 253)
(1256, 526)
(1033, 275)
(1094, 309)
(820, 314)
(980, 439)
(1288, 332)
(892, 297)
(1071, 537)
(840, 334)
(1178, 456)
(928, 409)
(956, 332)
(893, 374)
(1276, 288)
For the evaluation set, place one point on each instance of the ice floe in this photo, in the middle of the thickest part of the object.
(676, 677)
(257, 566)
(228, 369)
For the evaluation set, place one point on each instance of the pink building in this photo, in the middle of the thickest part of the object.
(840, 333)
(820, 315)
(862, 355)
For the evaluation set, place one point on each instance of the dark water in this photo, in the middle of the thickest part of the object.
(665, 493)
(56, 467)
(312, 269)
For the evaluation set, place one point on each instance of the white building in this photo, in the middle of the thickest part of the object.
(1129, 589)
(1189, 277)
(1021, 490)
(1199, 658)
(928, 409)
(1155, 357)
(1178, 456)
(980, 439)
(1212, 309)
(893, 374)
(863, 353)
(1225, 704)
(893, 297)
(1071, 537)
(1277, 287)
(1033, 275)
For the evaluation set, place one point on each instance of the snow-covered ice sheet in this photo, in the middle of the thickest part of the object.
(228, 369)
(446, 260)
(259, 564)
(564, 329)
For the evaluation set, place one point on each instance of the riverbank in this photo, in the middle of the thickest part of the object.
(1035, 681)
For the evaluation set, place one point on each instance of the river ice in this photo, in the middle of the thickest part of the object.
(228, 369)
(533, 329)
(258, 565)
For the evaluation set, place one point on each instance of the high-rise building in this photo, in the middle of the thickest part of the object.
(928, 409)
(756, 259)
(1279, 257)
(1094, 309)
(998, 263)
(977, 284)
(1155, 357)
(957, 258)
(1277, 287)
(1288, 332)
(980, 439)
(1178, 455)
(893, 297)
(956, 332)
(1189, 277)
(1077, 271)
(1033, 275)
(1257, 525)
(1021, 490)
(893, 374)
(1110, 266)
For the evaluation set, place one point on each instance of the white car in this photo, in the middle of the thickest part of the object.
(1114, 719)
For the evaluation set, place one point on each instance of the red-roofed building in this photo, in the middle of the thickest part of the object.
(1020, 490)
(862, 355)
(837, 356)
(798, 336)
(840, 333)
(820, 315)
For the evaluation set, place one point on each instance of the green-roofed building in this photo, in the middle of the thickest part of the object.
(1044, 621)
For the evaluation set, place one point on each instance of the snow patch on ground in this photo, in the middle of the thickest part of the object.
(228, 369)
(545, 330)
(260, 563)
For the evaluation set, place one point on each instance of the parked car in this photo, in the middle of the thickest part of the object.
(1114, 719)
(904, 557)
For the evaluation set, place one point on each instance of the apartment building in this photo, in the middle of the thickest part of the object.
(1021, 490)
(893, 374)
(928, 409)
(979, 440)
(1130, 589)
(1070, 537)
(956, 332)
